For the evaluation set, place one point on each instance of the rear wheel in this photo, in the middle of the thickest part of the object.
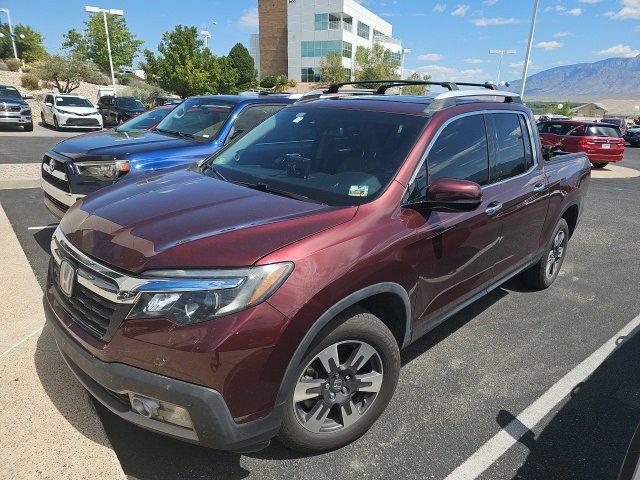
(544, 273)
(42, 118)
(600, 164)
(343, 385)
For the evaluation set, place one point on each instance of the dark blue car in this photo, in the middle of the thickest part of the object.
(194, 130)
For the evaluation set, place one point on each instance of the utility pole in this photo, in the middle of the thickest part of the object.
(532, 30)
(11, 34)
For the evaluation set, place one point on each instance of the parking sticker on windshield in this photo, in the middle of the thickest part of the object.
(358, 191)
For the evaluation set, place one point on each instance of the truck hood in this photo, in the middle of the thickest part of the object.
(117, 145)
(184, 219)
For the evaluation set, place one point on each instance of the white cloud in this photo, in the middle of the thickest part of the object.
(619, 50)
(486, 22)
(630, 11)
(440, 7)
(430, 57)
(590, 2)
(249, 18)
(562, 9)
(561, 34)
(438, 72)
(549, 46)
(576, 12)
(490, 3)
(476, 61)
(460, 11)
(520, 64)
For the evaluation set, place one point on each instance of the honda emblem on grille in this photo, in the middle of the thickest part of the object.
(66, 277)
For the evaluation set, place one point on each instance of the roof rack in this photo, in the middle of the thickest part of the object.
(386, 84)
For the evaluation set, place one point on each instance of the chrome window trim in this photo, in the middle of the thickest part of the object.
(469, 114)
(130, 287)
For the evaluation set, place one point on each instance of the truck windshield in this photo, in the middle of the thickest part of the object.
(10, 92)
(73, 102)
(200, 118)
(329, 155)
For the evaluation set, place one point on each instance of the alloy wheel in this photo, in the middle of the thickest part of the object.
(338, 386)
(555, 254)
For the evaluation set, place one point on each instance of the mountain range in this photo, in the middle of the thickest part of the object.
(611, 78)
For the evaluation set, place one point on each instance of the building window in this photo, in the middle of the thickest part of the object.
(334, 22)
(347, 24)
(363, 30)
(309, 75)
(322, 48)
(322, 21)
(347, 50)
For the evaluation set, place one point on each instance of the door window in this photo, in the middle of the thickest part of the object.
(510, 159)
(460, 151)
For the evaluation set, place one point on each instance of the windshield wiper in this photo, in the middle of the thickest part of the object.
(263, 187)
(212, 169)
(175, 132)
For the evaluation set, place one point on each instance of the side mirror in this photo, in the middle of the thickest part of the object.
(27, 96)
(450, 195)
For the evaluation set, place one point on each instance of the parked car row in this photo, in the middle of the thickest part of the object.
(268, 289)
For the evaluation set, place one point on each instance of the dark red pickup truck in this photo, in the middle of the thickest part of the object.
(269, 290)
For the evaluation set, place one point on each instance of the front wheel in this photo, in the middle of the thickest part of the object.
(343, 385)
(544, 273)
(600, 164)
(28, 127)
(56, 125)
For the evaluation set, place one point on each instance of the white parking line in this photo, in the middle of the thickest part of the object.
(43, 227)
(502, 441)
(13, 347)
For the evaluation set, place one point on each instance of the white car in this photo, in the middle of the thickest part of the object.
(63, 110)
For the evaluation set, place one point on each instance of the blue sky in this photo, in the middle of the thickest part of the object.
(449, 39)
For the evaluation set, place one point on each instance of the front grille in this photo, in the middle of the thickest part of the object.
(90, 311)
(58, 204)
(55, 181)
(15, 108)
(83, 122)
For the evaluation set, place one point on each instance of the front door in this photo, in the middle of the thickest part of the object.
(454, 253)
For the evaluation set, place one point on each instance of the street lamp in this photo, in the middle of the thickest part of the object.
(502, 53)
(207, 34)
(104, 11)
(532, 30)
(11, 34)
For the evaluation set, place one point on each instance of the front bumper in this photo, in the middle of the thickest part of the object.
(14, 119)
(56, 200)
(79, 121)
(214, 425)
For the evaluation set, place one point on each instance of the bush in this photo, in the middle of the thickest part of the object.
(3, 66)
(13, 64)
(126, 79)
(30, 81)
(279, 83)
(144, 92)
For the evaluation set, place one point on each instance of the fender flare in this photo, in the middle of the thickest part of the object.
(330, 314)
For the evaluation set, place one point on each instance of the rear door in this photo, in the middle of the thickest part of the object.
(518, 184)
(455, 252)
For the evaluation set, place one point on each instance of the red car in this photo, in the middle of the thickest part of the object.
(269, 289)
(603, 143)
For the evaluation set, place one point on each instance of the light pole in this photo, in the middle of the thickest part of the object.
(532, 30)
(502, 53)
(104, 11)
(404, 54)
(207, 34)
(11, 34)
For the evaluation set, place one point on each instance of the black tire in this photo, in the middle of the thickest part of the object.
(28, 127)
(538, 276)
(56, 125)
(355, 325)
(600, 164)
(42, 119)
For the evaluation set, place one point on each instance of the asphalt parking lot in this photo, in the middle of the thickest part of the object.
(461, 385)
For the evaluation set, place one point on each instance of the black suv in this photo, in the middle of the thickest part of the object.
(115, 110)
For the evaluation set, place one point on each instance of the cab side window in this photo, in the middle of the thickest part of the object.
(510, 159)
(251, 117)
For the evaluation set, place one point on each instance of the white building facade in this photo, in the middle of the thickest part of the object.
(317, 27)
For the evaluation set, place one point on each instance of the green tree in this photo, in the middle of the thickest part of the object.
(185, 67)
(376, 63)
(277, 83)
(240, 59)
(417, 90)
(332, 70)
(30, 48)
(564, 110)
(66, 72)
(91, 44)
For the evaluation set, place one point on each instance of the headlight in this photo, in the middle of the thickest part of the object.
(192, 296)
(103, 170)
(26, 111)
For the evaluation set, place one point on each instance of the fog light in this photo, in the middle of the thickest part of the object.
(160, 410)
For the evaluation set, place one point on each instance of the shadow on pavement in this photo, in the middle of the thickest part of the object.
(589, 436)
(63, 389)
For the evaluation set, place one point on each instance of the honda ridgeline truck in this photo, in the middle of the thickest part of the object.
(269, 290)
(191, 132)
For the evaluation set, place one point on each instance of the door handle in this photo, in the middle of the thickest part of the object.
(538, 187)
(493, 208)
